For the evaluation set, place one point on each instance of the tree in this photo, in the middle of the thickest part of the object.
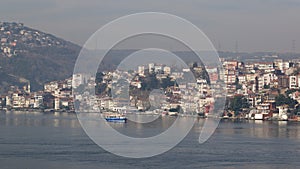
(296, 111)
(167, 82)
(290, 91)
(195, 64)
(101, 88)
(99, 77)
(238, 103)
(237, 83)
(282, 100)
(266, 86)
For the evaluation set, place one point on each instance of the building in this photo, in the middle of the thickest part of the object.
(158, 69)
(78, 79)
(283, 81)
(167, 70)
(141, 70)
(151, 67)
(293, 82)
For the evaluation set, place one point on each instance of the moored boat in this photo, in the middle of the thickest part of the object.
(116, 118)
(202, 114)
(173, 113)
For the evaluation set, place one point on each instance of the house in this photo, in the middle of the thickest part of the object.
(293, 82)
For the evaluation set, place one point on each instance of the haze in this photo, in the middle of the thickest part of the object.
(243, 25)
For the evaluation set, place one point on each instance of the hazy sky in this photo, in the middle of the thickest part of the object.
(257, 25)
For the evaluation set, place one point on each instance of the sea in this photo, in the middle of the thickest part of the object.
(36, 140)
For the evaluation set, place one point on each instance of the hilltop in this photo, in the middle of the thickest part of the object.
(31, 55)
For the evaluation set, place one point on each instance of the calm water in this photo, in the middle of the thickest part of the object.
(36, 140)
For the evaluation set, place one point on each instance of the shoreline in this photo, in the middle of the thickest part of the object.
(223, 119)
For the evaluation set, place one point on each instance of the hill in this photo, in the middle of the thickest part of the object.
(29, 55)
(33, 55)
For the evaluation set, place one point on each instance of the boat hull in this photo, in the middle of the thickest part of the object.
(118, 120)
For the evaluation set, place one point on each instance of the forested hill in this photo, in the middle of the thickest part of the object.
(30, 55)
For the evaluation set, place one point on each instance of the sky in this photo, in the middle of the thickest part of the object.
(245, 25)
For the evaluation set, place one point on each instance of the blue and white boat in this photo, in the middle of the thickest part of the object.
(116, 118)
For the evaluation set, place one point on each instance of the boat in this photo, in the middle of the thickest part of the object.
(294, 118)
(225, 117)
(116, 118)
(283, 117)
(202, 114)
(173, 113)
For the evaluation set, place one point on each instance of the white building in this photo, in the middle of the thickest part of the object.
(8, 101)
(283, 111)
(167, 70)
(141, 70)
(157, 69)
(56, 103)
(151, 67)
(18, 100)
(293, 82)
(38, 100)
(78, 79)
(51, 87)
(242, 79)
(269, 78)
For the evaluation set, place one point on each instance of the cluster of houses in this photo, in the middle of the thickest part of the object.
(257, 82)
(15, 37)
(56, 96)
(188, 95)
(260, 83)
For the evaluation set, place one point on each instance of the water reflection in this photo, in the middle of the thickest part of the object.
(37, 140)
(261, 129)
(255, 129)
(143, 130)
(38, 119)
